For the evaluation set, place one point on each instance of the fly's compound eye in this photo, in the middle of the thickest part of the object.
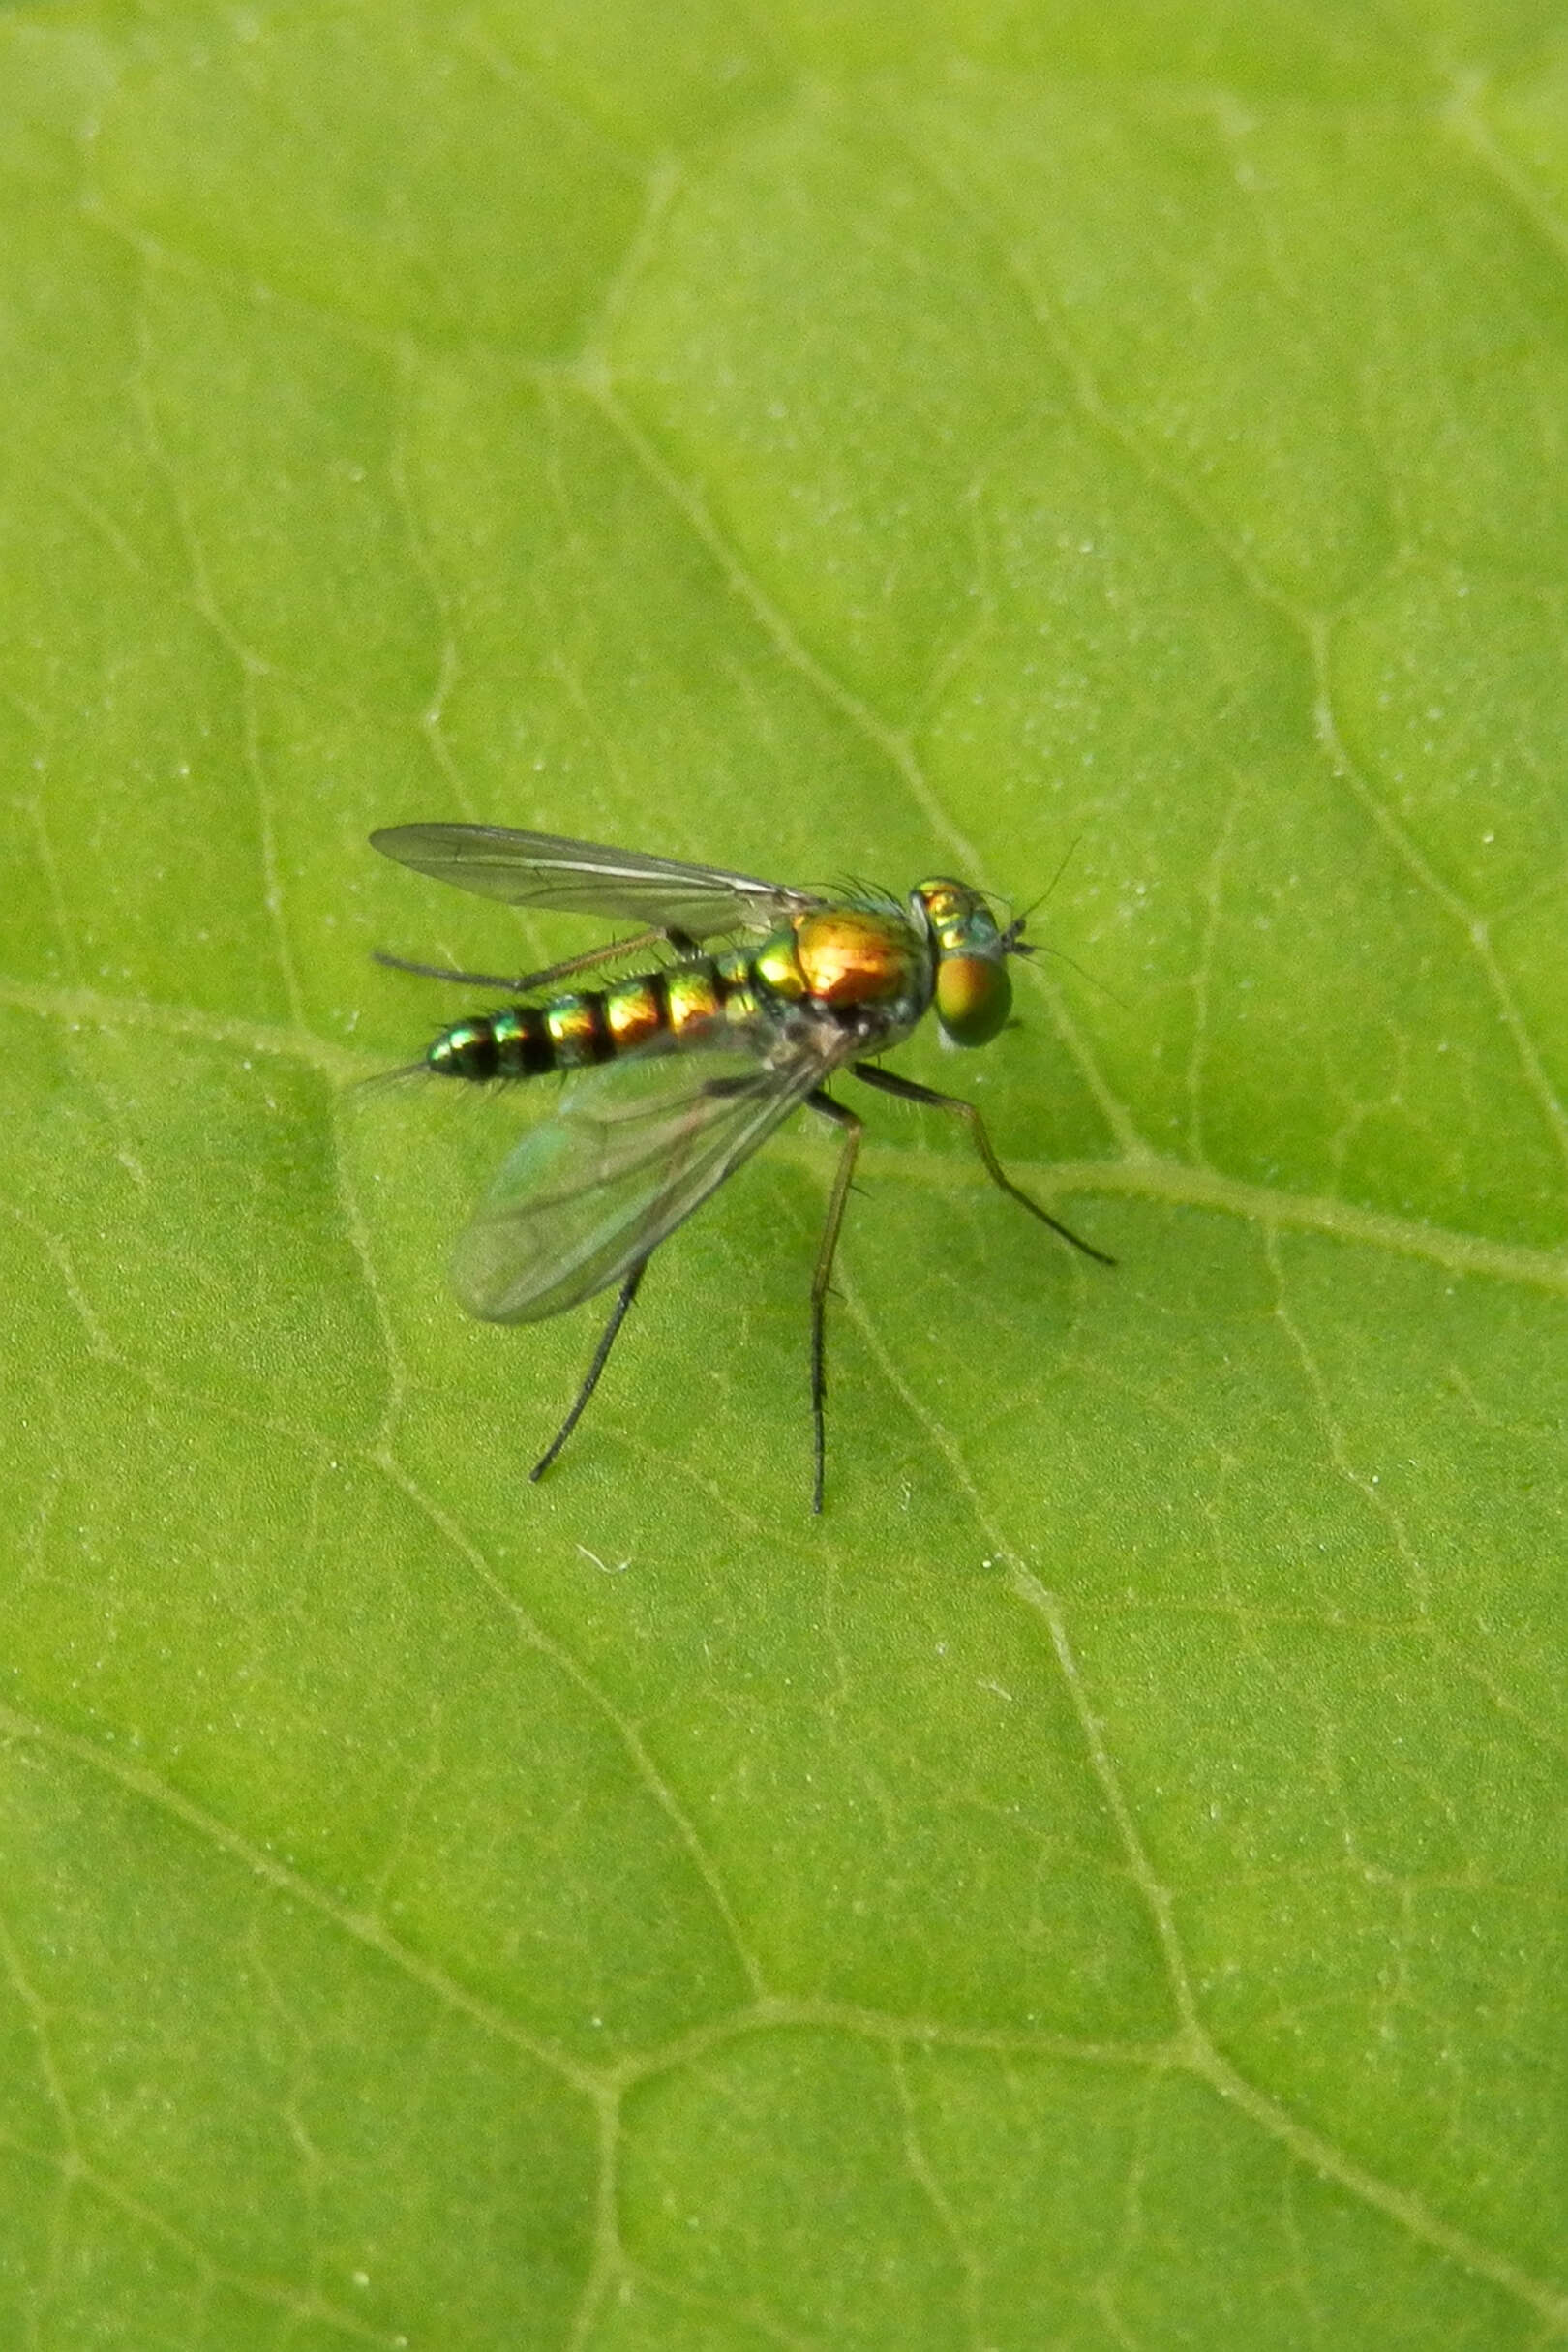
(974, 997)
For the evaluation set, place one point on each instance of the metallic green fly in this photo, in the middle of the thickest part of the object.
(679, 1073)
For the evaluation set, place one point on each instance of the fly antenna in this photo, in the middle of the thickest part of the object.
(1013, 942)
(1013, 934)
(1095, 982)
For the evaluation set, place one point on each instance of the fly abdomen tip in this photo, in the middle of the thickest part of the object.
(466, 1050)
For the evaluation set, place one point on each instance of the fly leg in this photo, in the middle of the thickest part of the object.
(906, 1091)
(522, 984)
(854, 1128)
(601, 1356)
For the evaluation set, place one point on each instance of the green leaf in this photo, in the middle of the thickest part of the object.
(1102, 1884)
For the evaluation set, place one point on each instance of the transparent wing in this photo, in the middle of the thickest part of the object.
(634, 1148)
(579, 877)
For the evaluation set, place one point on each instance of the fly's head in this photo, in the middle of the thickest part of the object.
(972, 993)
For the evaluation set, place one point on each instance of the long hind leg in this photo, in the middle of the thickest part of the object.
(524, 984)
(601, 1356)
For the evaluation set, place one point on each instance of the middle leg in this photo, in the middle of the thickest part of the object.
(853, 1127)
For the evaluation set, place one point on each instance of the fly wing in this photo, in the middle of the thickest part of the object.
(634, 1148)
(580, 878)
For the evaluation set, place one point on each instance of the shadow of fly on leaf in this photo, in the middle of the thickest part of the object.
(678, 1072)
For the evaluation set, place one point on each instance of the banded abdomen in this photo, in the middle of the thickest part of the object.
(840, 961)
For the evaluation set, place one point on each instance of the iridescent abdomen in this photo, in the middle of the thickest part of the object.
(841, 962)
(591, 1025)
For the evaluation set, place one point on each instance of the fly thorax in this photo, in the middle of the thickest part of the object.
(851, 955)
(973, 994)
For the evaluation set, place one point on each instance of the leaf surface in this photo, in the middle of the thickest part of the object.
(1100, 1885)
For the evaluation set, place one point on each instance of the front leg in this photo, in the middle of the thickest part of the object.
(907, 1091)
